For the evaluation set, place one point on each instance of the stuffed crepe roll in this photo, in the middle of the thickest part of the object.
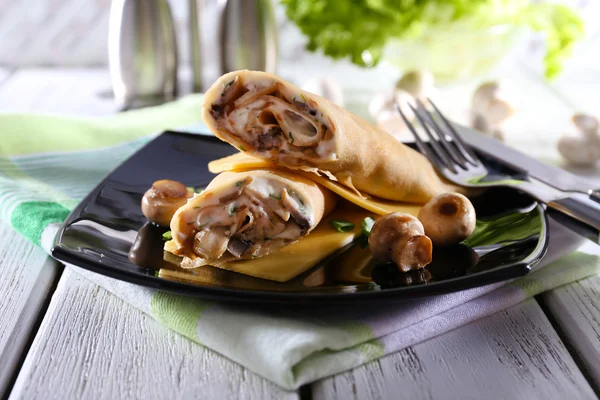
(270, 118)
(245, 215)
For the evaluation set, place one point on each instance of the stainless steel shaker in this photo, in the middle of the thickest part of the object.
(142, 52)
(195, 11)
(248, 35)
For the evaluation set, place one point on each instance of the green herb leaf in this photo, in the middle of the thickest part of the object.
(274, 196)
(167, 235)
(366, 225)
(239, 183)
(190, 188)
(341, 225)
(232, 209)
(200, 190)
(291, 137)
(303, 98)
(242, 148)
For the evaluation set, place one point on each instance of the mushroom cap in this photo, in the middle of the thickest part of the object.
(400, 238)
(586, 124)
(418, 83)
(162, 200)
(491, 101)
(448, 218)
(579, 150)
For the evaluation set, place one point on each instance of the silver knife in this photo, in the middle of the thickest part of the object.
(550, 175)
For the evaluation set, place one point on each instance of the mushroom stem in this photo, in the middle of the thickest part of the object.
(412, 253)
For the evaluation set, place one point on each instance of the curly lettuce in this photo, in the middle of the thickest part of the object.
(353, 28)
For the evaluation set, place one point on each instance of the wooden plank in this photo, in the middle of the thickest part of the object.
(27, 276)
(96, 346)
(576, 309)
(514, 354)
(66, 91)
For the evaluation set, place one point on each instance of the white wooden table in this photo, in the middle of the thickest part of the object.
(63, 337)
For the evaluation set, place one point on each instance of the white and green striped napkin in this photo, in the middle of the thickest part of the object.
(49, 163)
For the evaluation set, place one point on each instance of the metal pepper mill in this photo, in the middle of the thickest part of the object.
(248, 35)
(142, 52)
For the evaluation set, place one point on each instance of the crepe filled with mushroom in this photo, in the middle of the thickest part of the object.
(270, 118)
(246, 215)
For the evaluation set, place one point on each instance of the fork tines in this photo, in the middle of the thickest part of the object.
(447, 149)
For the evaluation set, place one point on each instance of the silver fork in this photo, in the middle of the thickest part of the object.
(455, 160)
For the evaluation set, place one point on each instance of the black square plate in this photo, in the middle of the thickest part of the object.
(107, 234)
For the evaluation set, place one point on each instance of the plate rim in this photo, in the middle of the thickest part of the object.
(398, 294)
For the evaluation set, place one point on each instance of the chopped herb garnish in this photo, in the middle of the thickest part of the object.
(303, 98)
(156, 273)
(294, 98)
(232, 210)
(341, 225)
(291, 137)
(197, 207)
(167, 235)
(190, 188)
(239, 183)
(229, 84)
(366, 226)
(200, 190)
(242, 148)
(190, 222)
(274, 196)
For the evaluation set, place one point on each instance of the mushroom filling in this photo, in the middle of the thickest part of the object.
(249, 220)
(271, 120)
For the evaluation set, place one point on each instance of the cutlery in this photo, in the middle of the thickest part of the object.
(455, 160)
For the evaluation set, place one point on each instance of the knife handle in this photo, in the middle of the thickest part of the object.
(595, 195)
(579, 213)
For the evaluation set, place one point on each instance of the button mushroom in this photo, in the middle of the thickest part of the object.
(400, 238)
(490, 108)
(418, 83)
(162, 200)
(448, 218)
(582, 149)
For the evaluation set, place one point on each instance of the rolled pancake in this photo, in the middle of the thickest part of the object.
(270, 118)
(246, 215)
(243, 162)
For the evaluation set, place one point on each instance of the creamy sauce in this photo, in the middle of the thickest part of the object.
(241, 220)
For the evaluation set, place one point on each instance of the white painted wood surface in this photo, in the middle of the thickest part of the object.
(93, 345)
(514, 354)
(97, 346)
(27, 277)
(576, 310)
(63, 91)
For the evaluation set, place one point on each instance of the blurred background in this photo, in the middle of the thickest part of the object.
(357, 55)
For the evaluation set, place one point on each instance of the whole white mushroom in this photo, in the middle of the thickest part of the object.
(491, 106)
(418, 83)
(583, 147)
